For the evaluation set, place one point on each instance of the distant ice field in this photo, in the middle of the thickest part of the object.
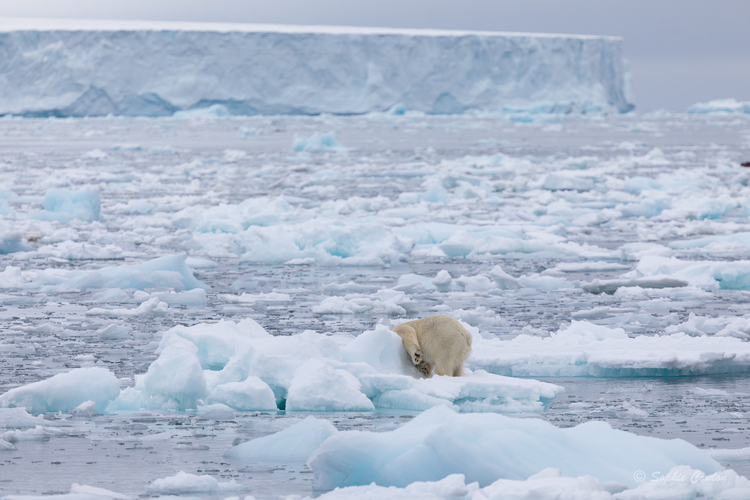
(605, 255)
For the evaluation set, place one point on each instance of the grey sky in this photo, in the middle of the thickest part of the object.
(681, 51)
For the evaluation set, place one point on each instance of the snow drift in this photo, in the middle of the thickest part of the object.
(96, 68)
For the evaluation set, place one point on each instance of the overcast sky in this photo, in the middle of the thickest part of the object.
(680, 51)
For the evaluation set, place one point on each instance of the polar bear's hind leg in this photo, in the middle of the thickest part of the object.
(425, 368)
(411, 343)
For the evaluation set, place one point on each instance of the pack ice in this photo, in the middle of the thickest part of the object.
(95, 68)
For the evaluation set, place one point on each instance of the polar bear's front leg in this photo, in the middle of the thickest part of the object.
(411, 344)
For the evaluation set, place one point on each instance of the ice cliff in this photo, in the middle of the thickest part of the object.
(94, 68)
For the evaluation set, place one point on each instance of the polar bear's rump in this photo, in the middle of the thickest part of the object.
(437, 342)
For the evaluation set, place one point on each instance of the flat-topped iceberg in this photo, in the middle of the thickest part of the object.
(85, 68)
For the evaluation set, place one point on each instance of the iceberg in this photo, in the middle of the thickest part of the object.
(85, 68)
(488, 447)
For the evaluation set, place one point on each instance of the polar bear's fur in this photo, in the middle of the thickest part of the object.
(438, 342)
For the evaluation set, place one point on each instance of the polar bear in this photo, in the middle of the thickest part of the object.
(438, 342)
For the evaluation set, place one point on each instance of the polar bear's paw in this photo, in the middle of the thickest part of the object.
(425, 368)
(416, 356)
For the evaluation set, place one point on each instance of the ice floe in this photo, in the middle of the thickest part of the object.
(182, 482)
(77, 492)
(679, 483)
(488, 447)
(721, 327)
(64, 205)
(720, 106)
(586, 349)
(65, 391)
(293, 444)
(242, 366)
(166, 272)
(709, 275)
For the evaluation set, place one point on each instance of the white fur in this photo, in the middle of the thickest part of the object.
(437, 342)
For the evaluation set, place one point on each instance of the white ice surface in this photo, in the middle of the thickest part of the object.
(78, 68)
